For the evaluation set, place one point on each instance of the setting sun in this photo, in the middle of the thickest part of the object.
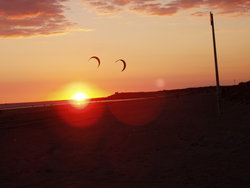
(79, 100)
(79, 96)
(77, 92)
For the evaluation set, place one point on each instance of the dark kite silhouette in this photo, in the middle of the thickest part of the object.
(124, 64)
(98, 60)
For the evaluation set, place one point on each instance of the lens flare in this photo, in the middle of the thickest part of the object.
(79, 111)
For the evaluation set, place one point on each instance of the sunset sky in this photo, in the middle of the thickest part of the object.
(45, 46)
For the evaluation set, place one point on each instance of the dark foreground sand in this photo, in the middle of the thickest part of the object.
(177, 141)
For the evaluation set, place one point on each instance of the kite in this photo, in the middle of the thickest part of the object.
(98, 60)
(124, 64)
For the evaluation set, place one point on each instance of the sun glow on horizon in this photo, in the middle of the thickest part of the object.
(77, 92)
(80, 96)
(79, 99)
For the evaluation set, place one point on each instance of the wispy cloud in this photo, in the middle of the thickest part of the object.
(26, 18)
(171, 7)
(80, 29)
(20, 18)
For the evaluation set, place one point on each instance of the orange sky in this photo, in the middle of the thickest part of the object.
(45, 46)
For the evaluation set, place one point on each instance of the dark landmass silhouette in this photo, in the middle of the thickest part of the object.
(239, 92)
(163, 139)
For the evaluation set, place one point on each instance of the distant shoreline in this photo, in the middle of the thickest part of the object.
(134, 95)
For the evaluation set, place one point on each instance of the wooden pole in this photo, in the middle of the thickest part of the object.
(216, 67)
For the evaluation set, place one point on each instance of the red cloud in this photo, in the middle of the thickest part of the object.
(163, 8)
(20, 18)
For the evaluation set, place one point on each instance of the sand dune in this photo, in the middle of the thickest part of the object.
(173, 141)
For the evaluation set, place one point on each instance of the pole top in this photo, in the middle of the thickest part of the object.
(211, 18)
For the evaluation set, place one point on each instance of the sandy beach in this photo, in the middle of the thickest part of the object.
(176, 140)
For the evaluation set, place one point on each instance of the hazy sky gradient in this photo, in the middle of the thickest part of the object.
(45, 46)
